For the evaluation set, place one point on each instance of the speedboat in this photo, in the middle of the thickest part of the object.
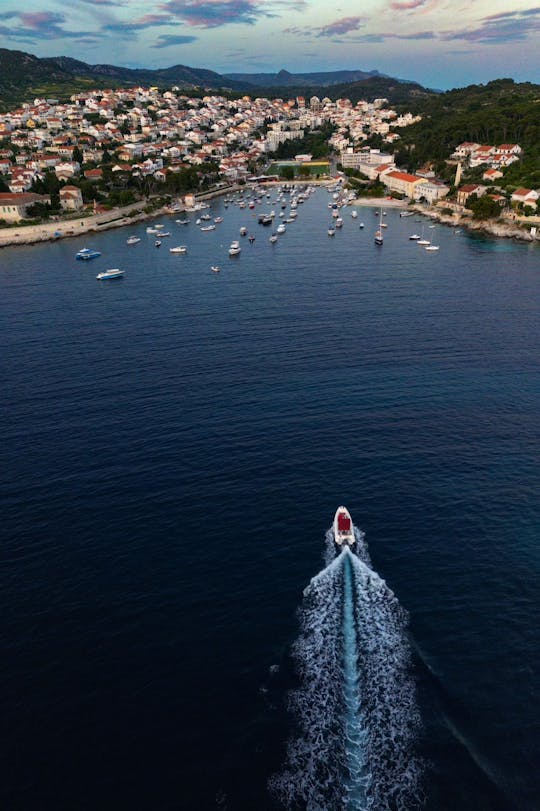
(331, 232)
(215, 268)
(157, 243)
(234, 248)
(414, 236)
(251, 238)
(343, 527)
(111, 273)
(208, 228)
(281, 228)
(178, 249)
(87, 253)
(182, 222)
(431, 248)
(243, 231)
(273, 238)
(132, 240)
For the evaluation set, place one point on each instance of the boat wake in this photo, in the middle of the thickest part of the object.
(355, 706)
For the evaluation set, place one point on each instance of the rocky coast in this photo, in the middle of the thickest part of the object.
(520, 229)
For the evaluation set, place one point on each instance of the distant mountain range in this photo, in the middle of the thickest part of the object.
(24, 76)
(317, 79)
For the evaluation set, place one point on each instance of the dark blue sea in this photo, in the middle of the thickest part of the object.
(174, 447)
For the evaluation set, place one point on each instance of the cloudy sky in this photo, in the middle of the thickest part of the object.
(439, 43)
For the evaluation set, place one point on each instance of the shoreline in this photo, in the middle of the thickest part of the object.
(495, 228)
(115, 218)
(134, 213)
(94, 223)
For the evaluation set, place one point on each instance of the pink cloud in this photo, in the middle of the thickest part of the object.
(38, 19)
(215, 13)
(341, 26)
(406, 5)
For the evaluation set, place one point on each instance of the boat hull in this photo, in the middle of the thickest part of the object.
(343, 528)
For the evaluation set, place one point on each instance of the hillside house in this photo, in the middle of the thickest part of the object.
(71, 198)
(465, 192)
(13, 205)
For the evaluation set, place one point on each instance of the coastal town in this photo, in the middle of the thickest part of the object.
(107, 149)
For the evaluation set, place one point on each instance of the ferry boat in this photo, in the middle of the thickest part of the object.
(343, 527)
(87, 253)
(111, 273)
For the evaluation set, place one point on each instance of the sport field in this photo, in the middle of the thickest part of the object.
(315, 167)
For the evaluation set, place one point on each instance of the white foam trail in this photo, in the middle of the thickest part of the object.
(355, 707)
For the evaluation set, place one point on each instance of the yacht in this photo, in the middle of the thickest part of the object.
(343, 527)
(111, 273)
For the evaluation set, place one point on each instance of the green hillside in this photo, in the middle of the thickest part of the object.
(499, 112)
(24, 77)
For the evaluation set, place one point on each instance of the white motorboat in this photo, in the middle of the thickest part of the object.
(178, 249)
(339, 222)
(234, 248)
(215, 268)
(331, 232)
(182, 222)
(431, 248)
(157, 243)
(132, 240)
(111, 273)
(281, 228)
(354, 214)
(361, 225)
(414, 236)
(243, 231)
(208, 228)
(273, 238)
(343, 528)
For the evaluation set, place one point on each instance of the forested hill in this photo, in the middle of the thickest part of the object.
(24, 76)
(397, 92)
(499, 112)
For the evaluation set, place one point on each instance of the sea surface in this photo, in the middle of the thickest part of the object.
(174, 447)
